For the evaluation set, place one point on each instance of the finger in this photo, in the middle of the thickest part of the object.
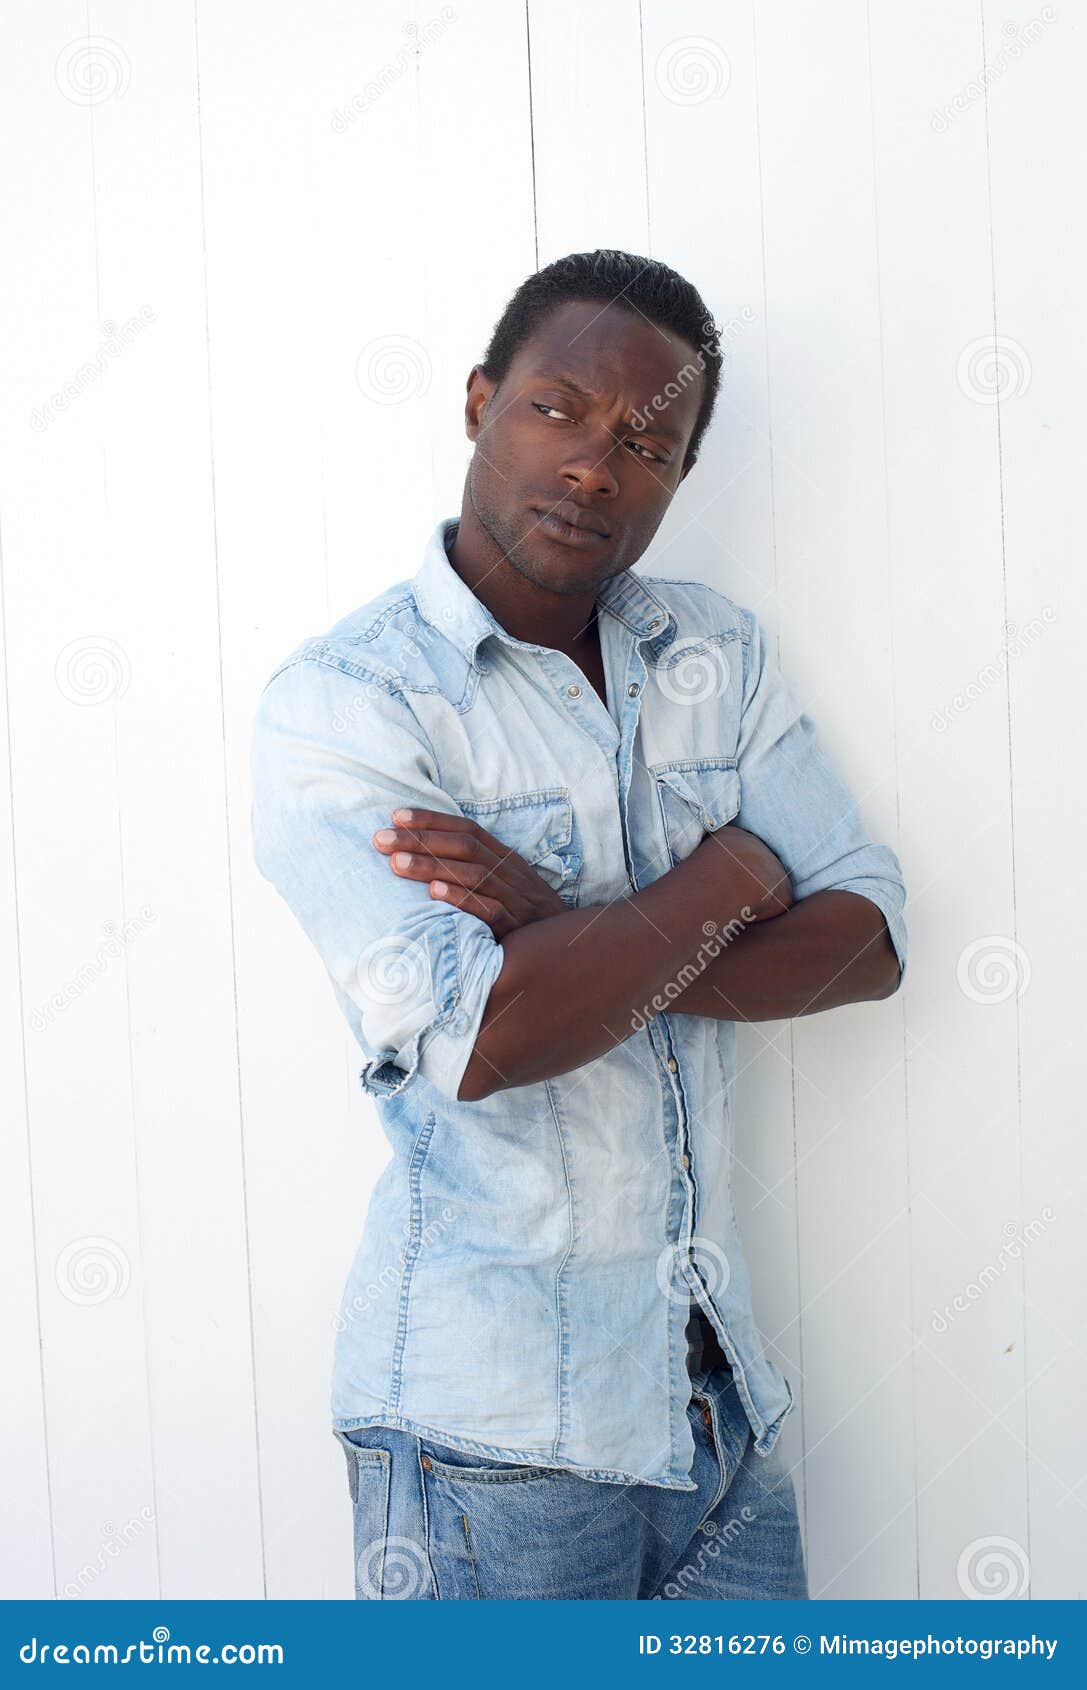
(473, 903)
(413, 817)
(423, 865)
(464, 846)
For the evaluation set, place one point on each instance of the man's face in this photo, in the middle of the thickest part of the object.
(560, 430)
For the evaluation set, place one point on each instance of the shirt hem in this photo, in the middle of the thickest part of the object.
(500, 1452)
(765, 1434)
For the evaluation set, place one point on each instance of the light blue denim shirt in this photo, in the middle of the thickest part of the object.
(527, 1263)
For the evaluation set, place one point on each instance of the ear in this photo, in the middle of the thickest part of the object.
(480, 391)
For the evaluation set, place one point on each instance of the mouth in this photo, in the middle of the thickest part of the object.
(571, 525)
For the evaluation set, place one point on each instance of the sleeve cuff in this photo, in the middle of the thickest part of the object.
(890, 908)
(441, 1050)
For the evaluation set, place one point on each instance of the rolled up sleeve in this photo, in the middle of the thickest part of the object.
(793, 798)
(333, 754)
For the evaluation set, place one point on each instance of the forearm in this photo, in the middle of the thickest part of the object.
(576, 984)
(830, 949)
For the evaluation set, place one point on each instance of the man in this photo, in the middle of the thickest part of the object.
(554, 829)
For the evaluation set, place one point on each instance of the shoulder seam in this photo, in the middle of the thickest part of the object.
(665, 581)
(343, 666)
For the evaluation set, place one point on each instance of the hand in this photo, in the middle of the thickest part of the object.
(467, 867)
(749, 870)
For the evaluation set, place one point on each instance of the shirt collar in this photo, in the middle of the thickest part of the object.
(450, 606)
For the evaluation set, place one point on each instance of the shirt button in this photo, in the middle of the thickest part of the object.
(632, 690)
(574, 690)
(685, 1161)
(656, 622)
(672, 1064)
(708, 821)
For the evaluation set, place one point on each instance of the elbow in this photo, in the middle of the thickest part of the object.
(891, 984)
(892, 971)
(478, 1081)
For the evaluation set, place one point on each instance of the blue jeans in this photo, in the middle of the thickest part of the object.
(438, 1523)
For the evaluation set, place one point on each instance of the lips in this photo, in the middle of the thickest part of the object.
(578, 522)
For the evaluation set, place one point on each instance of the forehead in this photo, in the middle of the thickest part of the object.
(613, 352)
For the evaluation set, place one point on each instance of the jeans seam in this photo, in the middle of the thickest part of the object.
(426, 1521)
(471, 1555)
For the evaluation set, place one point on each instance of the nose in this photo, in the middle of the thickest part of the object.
(591, 469)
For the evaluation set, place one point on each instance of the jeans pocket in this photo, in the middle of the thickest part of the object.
(445, 1462)
(387, 1568)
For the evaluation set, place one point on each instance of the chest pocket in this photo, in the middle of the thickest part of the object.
(539, 826)
(696, 795)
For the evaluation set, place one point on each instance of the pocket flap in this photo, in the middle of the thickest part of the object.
(710, 790)
(697, 795)
(539, 826)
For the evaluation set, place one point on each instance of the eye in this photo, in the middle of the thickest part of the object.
(652, 457)
(643, 452)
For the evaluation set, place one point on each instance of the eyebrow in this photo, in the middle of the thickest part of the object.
(564, 379)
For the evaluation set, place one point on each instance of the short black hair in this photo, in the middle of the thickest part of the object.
(621, 278)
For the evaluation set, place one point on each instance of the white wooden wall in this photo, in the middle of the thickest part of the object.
(285, 235)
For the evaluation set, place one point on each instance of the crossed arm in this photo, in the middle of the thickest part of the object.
(718, 935)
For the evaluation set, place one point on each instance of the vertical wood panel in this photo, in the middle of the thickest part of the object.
(1034, 115)
(944, 516)
(68, 646)
(826, 402)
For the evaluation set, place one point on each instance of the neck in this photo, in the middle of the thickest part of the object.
(527, 611)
